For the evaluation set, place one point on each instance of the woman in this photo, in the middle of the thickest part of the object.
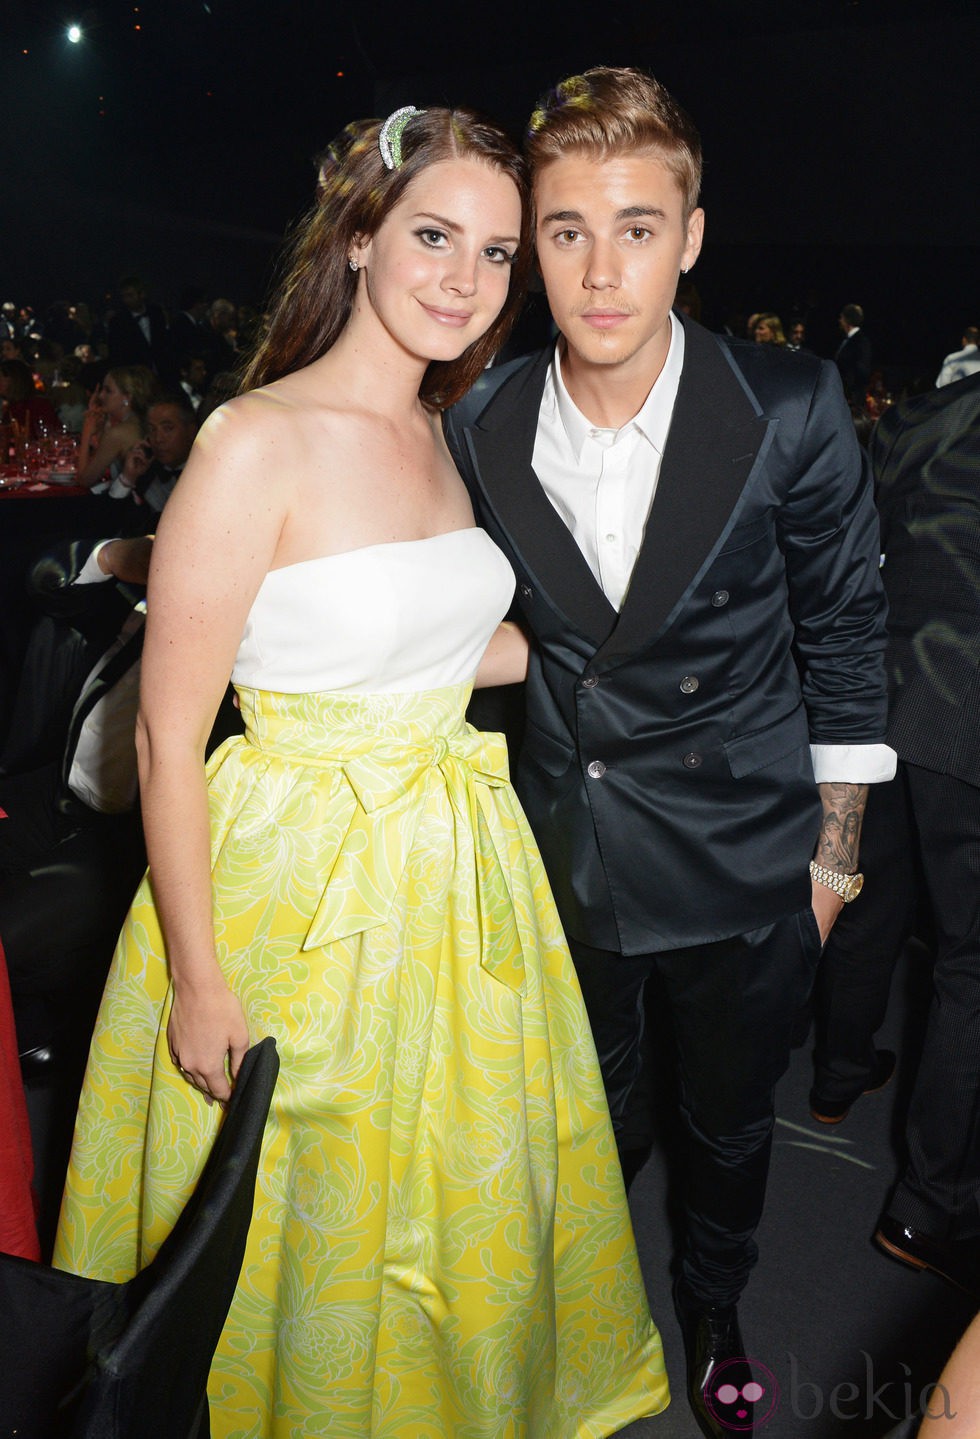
(20, 403)
(114, 421)
(440, 1242)
(768, 329)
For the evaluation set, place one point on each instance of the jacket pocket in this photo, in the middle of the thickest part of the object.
(547, 751)
(751, 752)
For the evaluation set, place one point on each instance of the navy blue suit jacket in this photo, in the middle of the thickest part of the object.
(666, 766)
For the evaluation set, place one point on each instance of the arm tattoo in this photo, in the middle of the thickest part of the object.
(843, 811)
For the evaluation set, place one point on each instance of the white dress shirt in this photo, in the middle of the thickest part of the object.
(602, 482)
(958, 365)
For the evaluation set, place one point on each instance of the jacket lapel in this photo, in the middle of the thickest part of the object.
(501, 446)
(716, 437)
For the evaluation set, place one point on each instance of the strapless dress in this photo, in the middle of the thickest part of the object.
(441, 1247)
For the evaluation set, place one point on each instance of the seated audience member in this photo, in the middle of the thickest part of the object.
(114, 421)
(193, 376)
(68, 395)
(768, 329)
(137, 332)
(23, 405)
(921, 835)
(962, 362)
(188, 324)
(796, 341)
(222, 387)
(152, 467)
(70, 831)
(12, 348)
(99, 776)
(220, 341)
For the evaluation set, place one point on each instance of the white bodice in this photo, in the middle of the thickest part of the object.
(411, 615)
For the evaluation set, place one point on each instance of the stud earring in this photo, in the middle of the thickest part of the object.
(352, 265)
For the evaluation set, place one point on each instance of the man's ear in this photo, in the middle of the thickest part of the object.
(695, 238)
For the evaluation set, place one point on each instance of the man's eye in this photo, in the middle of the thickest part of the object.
(638, 232)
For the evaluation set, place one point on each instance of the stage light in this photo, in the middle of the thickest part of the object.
(74, 33)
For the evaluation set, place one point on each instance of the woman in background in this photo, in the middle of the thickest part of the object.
(114, 421)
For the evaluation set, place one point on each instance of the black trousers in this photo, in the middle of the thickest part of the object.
(922, 830)
(732, 1007)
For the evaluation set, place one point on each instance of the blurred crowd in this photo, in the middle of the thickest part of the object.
(96, 373)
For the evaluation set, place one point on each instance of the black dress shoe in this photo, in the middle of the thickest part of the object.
(38, 1063)
(830, 1111)
(955, 1260)
(717, 1368)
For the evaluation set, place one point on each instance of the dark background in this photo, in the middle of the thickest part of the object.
(840, 138)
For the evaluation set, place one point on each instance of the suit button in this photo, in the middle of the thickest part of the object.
(719, 598)
(692, 760)
(526, 592)
(689, 684)
(590, 682)
(596, 769)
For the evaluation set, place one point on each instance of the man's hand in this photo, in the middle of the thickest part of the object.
(837, 847)
(826, 907)
(136, 463)
(127, 560)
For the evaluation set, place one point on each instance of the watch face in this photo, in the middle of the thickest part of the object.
(854, 887)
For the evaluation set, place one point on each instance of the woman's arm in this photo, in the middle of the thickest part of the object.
(505, 659)
(217, 540)
(115, 440)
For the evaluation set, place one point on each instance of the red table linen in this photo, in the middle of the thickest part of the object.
(18, 1232)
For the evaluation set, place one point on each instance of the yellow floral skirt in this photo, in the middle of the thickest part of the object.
(441, 1247)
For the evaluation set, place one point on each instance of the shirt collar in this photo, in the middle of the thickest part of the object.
(652, 420)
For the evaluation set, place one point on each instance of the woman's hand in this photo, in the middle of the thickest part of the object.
(208, 1037)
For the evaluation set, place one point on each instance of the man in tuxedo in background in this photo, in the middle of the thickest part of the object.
(853, 355)
(189, 326)
(152, 468)
(696, 552)
(922, 834)
(137, 332)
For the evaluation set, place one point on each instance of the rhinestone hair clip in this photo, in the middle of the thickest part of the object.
(390, 138)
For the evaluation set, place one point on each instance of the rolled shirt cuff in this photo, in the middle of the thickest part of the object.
(92, 572)
(853, 763)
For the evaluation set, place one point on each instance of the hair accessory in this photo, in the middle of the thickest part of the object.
(352, 265)
(390, 137)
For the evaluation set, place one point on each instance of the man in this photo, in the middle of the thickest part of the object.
(70, 835)
(218, 346)
(853, 355)
(152, 468)
(963, 362)
(137, 332)
(796, 340)
(922, 834)
(696, 553)
(188, 327)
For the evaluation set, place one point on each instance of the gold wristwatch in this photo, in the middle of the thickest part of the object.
(847, 886)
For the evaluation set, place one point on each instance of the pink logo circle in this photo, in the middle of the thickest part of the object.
(742, 1394)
